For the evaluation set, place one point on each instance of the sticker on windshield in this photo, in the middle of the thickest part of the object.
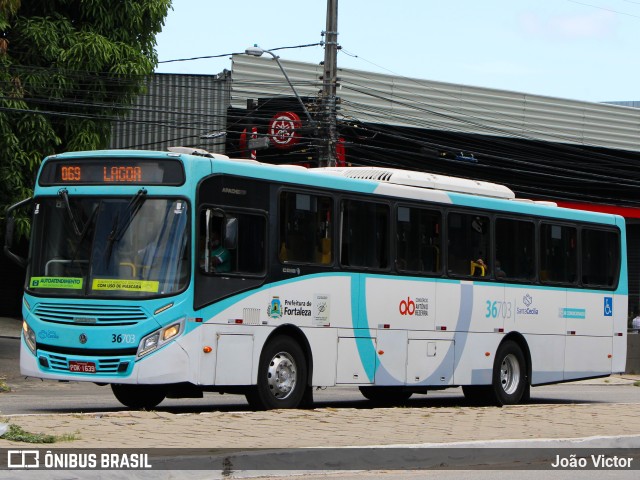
(56, 282)
(126, 285)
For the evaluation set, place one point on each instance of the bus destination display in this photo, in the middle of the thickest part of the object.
(113, 171)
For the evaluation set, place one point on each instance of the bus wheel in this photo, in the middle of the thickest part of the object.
(139, 397)
(385, 395)
(282, 376)
(509, 374)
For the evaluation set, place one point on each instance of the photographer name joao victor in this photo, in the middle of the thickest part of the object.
(597, 461)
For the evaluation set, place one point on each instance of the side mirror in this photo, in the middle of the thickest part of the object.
(10, 230)
(8, 234)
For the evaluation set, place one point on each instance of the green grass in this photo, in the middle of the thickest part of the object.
(3, 386)
(636, 384)
(18, 434)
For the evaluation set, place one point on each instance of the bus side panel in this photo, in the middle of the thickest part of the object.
(357, 359)
(587, 357)
(490, 311)
(456, 311)
(589, 320)
(472, 364)
(400, 303)
(536, 311)
(323, 343)
(430, 362)
(395, 306)
(536, 316)
(392, 357)
(450, 314)
(170, 364)
(620, 308)
(547, 358)
(318, 305)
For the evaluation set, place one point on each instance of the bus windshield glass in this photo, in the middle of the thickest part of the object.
(116, 247)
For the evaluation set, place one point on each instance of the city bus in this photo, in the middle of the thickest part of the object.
(170, 274)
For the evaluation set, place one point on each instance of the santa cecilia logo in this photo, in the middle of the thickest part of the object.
(275, 308)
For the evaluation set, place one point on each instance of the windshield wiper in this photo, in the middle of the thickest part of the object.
(132, 210)
(84, 232)
(65, 196)
(119, 227)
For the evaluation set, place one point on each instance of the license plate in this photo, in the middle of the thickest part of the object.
(83, 367)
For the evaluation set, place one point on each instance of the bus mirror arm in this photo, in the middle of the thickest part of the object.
(9, 231)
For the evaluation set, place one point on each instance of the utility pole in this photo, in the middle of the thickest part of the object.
(327, 152)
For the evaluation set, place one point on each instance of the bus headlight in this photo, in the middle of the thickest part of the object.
(29, 336)
(158, 338)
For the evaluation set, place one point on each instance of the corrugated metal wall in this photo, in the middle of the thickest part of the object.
(189, 110)
(392, 100)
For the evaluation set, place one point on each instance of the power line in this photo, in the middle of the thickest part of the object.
(605, 9)
(207, 57)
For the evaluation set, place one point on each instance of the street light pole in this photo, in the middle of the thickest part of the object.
(256, 51)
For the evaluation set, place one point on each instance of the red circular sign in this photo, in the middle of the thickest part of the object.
(284, 129)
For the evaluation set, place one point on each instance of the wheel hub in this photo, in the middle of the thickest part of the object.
(510, 374)
(282, 375)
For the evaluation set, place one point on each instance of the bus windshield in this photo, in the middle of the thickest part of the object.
(116, 247)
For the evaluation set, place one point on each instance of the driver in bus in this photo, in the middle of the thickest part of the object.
(219, 256)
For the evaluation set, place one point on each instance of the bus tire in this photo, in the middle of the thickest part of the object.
(385, 395)
(139, 397)
(282, 376)
(510, 381)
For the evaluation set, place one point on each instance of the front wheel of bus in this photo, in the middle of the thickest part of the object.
(282, 376)
(139, 397)
(510, 382)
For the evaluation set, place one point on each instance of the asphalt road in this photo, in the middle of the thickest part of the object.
(29, 396)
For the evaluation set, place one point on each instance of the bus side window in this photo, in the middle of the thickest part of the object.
(558, 253)
(468, 244)
(231, 242)
(305, 228)
(515, 249)
(365, 237)
(418, 240)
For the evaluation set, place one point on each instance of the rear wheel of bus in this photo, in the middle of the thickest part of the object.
(282, 376)
(510, 383)
(139, 397)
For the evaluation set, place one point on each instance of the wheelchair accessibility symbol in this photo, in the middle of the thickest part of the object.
(608, 306)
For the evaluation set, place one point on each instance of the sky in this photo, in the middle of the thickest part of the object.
(578, 49)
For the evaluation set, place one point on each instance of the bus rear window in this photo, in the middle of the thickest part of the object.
(600, 258)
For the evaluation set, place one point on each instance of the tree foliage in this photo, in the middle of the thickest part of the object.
(67, 69)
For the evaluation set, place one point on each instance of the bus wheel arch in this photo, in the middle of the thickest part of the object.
(511, 376)
(298, 335)
(284, 371)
